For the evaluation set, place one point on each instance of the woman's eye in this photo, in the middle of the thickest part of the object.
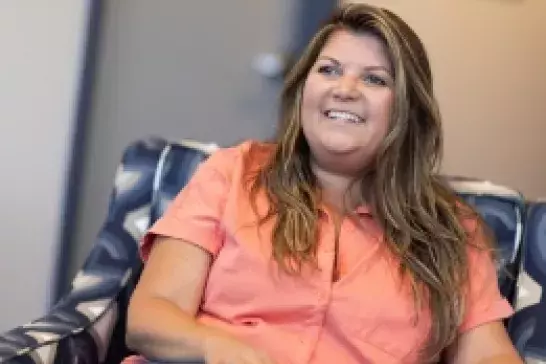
(375, 80)
(329, 70)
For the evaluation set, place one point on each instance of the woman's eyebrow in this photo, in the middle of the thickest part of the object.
(330, 59)
(367, 68)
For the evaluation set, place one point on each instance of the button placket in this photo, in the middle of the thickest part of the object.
(326, 259)
(326, 253)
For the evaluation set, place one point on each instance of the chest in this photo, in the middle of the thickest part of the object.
(368, 303)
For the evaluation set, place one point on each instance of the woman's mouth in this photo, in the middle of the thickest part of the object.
(345, 116)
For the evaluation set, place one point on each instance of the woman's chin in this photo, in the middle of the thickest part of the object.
(340, 145)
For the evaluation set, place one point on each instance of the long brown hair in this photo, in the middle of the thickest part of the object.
(420, 215)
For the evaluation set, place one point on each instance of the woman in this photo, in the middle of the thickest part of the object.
(335, 243)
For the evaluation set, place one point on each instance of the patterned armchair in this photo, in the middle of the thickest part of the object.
(88, 325)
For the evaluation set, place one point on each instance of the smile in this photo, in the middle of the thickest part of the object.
(346, 116)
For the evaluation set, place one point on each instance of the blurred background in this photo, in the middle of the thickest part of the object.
(81, 79)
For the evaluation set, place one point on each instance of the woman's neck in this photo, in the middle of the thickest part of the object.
(342, 193)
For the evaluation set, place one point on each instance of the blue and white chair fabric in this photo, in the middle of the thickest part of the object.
(503, 209)
(528, 326)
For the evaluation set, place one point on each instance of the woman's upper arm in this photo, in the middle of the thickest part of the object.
(485, 344)
(482, 335)
(483, 302)
(176, 270)
(179, 247)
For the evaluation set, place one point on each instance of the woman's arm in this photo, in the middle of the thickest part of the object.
(161, 321)
(485, 344)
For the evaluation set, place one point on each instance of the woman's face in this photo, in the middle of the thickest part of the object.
(347, 100)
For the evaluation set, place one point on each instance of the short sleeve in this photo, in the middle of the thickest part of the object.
(483, 302)
(195, 214)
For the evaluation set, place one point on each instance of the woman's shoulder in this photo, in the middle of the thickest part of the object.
(247, 146)
(241, 157)
(480, 237)
(466, 216)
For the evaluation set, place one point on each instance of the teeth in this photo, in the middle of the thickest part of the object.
(345, 115)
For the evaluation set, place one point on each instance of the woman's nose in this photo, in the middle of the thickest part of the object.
(347, 88)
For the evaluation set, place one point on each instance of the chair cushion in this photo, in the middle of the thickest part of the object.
(528, 326)
(175, 168)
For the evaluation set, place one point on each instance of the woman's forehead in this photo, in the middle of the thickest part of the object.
(358, 49)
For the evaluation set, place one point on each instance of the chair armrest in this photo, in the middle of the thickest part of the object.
(79, 327)
(62, 335)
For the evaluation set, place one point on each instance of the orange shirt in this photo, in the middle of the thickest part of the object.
(364, 317)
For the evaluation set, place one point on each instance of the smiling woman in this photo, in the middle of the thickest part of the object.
(335, 242)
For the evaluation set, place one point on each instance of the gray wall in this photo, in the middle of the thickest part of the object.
(177, 69)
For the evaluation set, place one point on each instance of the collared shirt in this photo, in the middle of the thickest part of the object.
(366, 316)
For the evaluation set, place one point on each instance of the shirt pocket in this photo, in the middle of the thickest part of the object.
(393, 329)
(398, 343)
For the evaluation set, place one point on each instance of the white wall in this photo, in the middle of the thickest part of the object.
(489, 63)
(41, 48)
